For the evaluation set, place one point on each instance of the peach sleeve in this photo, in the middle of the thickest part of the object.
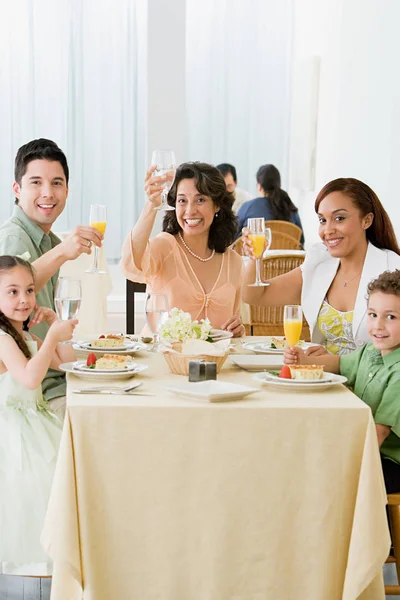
(151, 262)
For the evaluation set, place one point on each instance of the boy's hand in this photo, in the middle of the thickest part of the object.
(316, 351)
(42, 315)
(62, 331)
(294, 356)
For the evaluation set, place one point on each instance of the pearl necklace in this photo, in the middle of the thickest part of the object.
(192, 253)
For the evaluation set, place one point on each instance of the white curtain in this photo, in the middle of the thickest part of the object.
(74, 71)
(238, 84)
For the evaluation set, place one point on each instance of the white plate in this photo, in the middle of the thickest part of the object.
(265, 347)
(95, 374)
(257, 362)
(127, 345)
(328, 380)
(131, 348)
(211, 391)
(220, 334)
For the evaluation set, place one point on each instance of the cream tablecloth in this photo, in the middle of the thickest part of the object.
(277, 497)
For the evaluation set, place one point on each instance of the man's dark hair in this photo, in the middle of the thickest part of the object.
(226, 168)
(40, 149)
(208, 181)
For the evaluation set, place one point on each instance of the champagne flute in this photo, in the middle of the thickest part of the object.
(156, 309)
(67, 299)
(292, 323)
(259, 236)
(165, 162)
(98, 220)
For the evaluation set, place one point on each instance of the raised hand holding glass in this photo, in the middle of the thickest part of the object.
(98, 220)
(165, 162)
(260, 238)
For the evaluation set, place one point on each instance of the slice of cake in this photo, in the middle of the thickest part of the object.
(110, 362)
(109, 341)
(306, 372)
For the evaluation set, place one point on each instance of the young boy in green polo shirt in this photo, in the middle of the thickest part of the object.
(373, 371)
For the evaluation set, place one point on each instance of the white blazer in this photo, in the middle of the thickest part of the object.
(319, 270)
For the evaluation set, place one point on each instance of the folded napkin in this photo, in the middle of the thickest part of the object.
(198, 347)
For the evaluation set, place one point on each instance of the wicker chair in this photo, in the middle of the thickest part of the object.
(283, 241)
(284, 227)
(268, 320)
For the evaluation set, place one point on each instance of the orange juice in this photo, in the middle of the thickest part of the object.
(292, 328)
(99, 225)
(258, 242)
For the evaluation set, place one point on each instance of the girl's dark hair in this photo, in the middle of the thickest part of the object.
(210, 182)
(7, 263)
(281, 206)
(380, 233)
(387, 282)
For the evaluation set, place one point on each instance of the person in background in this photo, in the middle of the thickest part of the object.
(229, 174)
(358, 244)
(41, 189)
(191, 261)
(273, 203)
(373, 371)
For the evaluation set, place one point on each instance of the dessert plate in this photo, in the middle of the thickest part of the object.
(328, 379)
(211, 391)
(80, 369)
(128, 347)
(267, 348)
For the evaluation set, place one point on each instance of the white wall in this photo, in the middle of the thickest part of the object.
(358, 131)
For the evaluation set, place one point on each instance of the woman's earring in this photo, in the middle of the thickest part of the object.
(216, 214)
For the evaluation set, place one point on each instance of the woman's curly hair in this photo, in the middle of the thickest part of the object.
(208, 181)
(387, 282)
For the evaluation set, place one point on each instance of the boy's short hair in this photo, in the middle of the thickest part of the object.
(40, 149)
(387, 282)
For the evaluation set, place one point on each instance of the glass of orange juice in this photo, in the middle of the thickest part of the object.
(292, 323)
(261, 240)
(98, 220)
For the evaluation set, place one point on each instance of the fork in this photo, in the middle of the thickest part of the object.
(111, 388)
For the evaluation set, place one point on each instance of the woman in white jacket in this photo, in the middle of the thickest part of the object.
(358, 243)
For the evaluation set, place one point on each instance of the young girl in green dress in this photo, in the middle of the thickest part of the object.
(29, 431)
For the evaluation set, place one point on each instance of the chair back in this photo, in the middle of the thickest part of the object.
(393, 510)
(284, 227)
(283, 241)
(268, 320)
(131, 288)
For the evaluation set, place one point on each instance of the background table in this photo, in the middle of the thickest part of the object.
(279, 496)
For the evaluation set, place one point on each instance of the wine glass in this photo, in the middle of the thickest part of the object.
(165, 162)
(292, 323)
(260, 237)
(98, 220)
(156, 309)
(67, 299)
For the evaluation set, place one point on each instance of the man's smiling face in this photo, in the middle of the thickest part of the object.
(42, 192)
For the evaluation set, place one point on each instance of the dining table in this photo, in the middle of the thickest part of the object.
(275, 496)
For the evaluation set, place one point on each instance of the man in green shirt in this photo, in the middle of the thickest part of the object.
(41, 190)
(373, 371)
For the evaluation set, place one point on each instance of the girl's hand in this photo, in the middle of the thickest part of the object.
(294, 356)
(235, 325)
(62, 331)
(153, 186)
(42, 315)
(316, 351)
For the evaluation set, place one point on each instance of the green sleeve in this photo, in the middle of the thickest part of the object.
(15, 244)
(349, 364)
(388, 411)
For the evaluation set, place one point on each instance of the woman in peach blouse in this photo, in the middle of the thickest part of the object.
(190, 261)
